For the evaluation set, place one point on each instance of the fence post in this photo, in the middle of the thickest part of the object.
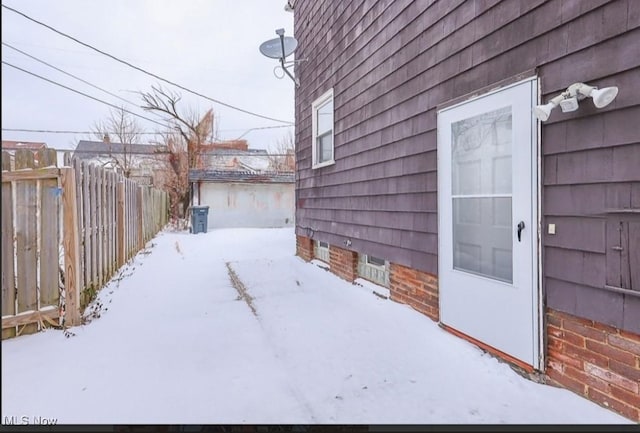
(6, 161)
(121, 225)
(71, 247)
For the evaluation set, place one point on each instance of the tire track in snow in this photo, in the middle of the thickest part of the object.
(242, 290)
(243, 294)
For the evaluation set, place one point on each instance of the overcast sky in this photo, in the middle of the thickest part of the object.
(208, 46)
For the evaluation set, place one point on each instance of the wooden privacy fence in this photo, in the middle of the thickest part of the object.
(116, 218)
(65, 232)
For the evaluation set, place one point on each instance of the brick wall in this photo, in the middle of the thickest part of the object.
(304, 248)
(596, 361)
(344, 263)
(415, 288)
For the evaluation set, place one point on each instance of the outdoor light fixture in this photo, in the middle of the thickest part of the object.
(568, 100)
(569, 104)
(289, 6)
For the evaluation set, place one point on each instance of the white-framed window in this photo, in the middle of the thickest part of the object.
(373, 269)
(321, 251)
(375, 261)
(322, 130)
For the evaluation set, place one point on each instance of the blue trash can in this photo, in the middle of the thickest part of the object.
(199, 219)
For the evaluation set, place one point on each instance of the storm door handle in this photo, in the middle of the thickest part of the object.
(520, 228)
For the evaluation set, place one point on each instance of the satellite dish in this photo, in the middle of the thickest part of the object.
(279, 48)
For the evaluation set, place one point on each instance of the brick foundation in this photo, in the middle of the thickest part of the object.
(415, 288)
(304, 248)
(596, 361)
(343, 263)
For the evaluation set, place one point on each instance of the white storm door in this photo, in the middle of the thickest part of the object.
(487, 217)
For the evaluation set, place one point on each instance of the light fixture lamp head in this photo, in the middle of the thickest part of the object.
(543, 112)
(601, 97)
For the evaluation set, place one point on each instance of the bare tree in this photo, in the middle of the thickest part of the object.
(186, 144)
(174, 179)
(126, 130)
(282, 158)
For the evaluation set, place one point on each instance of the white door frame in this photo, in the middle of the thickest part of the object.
(537, 361)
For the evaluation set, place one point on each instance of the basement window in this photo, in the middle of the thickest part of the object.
(321, 251)
(322, 130)
(373, 269)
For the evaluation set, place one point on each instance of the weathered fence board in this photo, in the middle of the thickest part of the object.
(99, 227)
(86, 226)
(120, 219)
(26, 240)
(8, 275)
(111, 219)
(80, 206)
(94, 232)
(71, 247)
(49, 225)
(104, 261)
(140, 211)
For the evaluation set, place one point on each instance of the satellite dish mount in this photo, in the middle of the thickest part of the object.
(279, 48)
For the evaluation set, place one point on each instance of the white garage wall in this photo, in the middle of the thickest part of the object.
(248, 204)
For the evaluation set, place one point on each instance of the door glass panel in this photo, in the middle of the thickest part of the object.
(481, 194)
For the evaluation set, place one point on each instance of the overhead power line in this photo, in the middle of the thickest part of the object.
(156, 151)
(143, 70)
(67, 73)
(58, 131)
(83, 94)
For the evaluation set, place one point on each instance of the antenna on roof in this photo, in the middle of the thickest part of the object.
(280, 48)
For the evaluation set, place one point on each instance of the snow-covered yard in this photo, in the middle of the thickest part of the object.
(177, 343)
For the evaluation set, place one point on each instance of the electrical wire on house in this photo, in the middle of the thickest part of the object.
(263, 127)
(83, 94)
(143, 70)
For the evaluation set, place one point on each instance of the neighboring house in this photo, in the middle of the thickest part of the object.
(10, 146)
(235, 154)
(241, 187)
(144, 163)
(252, 160)
(420, 165)
(238, 198)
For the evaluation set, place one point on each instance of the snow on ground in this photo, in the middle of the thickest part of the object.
(177, 343)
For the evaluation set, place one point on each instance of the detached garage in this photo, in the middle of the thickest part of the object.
(243, 198)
